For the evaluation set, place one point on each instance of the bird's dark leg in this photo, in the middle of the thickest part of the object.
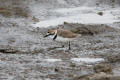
(69, 46)
(62, 45)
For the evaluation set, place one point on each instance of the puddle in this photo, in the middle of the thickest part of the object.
(88, 60)
(52, 60)
(72, 10)
(82, 60)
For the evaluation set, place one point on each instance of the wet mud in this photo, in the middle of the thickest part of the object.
(26, 55)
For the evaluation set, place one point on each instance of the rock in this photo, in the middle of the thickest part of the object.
(10, 8)
(56, 70)
(35, 19)
(98, 76)
(21, 12)
(114, 58)
(66, 22)
(83, 77)
(100, 13)
(5, 12)
(114, 77)
(8, 51)
(106, 68)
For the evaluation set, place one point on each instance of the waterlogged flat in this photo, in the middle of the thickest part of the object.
(40, 58)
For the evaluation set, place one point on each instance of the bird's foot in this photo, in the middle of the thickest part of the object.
(62, 46)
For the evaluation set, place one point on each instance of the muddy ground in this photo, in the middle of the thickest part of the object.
(26, 55)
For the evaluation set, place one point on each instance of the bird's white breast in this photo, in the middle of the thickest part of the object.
(62, 39)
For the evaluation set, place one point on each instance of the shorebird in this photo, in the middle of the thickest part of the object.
(61, 35)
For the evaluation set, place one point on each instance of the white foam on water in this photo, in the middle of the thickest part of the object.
(52, 60)
(88, 60)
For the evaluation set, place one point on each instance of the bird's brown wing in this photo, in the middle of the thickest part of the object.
(66, 33)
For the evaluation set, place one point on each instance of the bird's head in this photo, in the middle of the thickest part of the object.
(51, 32)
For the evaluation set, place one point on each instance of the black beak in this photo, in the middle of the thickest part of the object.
(47, 35)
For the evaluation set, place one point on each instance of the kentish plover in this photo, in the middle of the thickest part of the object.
(61, 35)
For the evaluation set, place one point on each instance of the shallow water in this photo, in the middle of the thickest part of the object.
(84, 15)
